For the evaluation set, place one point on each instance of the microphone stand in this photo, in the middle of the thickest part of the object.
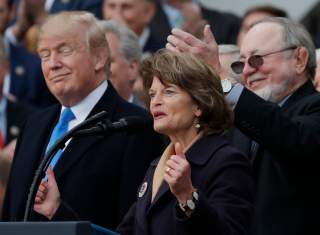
(60, 144)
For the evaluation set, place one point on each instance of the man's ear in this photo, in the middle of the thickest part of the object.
(134, 66)
(100, 60)
(149, 12)
(301, 59)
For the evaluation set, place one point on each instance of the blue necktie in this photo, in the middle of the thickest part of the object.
(59, 130)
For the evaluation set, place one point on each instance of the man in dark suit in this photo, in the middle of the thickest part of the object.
(137, 15)
(12, 116)
(26, 81)
(93, 6)
(12, 113)
(191, 16)
(279, 110)
(98, 175)
(311, 21)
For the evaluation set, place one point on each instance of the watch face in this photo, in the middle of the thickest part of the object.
(226, 85)
(191, 204)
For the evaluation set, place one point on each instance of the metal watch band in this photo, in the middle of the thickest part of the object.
(190, 204)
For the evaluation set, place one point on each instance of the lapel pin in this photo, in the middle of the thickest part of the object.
(19, 70)
(14, 131)
(143, 189)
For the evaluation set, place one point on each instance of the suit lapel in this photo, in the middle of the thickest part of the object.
(164, 188)
(78, 146)
(40, 136)
(143, 201)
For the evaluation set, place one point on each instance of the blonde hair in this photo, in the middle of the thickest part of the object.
(79, 22)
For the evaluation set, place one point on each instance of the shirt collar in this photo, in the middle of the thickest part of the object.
(48, 5)
(144, 37)
(6, 84)
(3, 104)
(172, 13)
(82, 109)
(281, 103)
(130, 100)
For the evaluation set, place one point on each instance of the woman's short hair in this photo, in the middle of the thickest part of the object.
(200, 81)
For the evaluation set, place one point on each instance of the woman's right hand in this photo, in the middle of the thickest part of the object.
(47, 200)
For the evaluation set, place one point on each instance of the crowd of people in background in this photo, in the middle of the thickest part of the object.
(251, 168)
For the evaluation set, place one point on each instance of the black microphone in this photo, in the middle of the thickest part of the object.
(124, 124)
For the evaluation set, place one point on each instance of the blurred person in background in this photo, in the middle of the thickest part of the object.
(191, 16)
(256, 14)
(311, 20)
(229, 53)
(6, 14)
(316, 81)
(125, 54)
(137, 15)
(12, 112)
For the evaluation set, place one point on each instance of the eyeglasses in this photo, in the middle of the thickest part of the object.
(255, 61)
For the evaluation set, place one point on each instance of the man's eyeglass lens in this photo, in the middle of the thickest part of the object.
(255, 61)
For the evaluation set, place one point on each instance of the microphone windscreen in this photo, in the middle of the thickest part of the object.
(133, 122)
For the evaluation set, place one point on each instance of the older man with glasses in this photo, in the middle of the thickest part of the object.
(279, 110)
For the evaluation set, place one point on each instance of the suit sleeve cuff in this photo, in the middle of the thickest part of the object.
(65, 212)
(234, 94)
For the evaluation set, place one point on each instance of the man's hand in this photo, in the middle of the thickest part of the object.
(206, 49)
(47, 200)
(9, 149)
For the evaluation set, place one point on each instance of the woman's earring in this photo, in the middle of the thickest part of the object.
(197, 124)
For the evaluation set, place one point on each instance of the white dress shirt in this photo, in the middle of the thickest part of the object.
(84, 107)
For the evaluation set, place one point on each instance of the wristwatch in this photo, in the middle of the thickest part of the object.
(226, 85)
(190, 205)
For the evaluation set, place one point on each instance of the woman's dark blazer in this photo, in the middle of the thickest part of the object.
(222, 176)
